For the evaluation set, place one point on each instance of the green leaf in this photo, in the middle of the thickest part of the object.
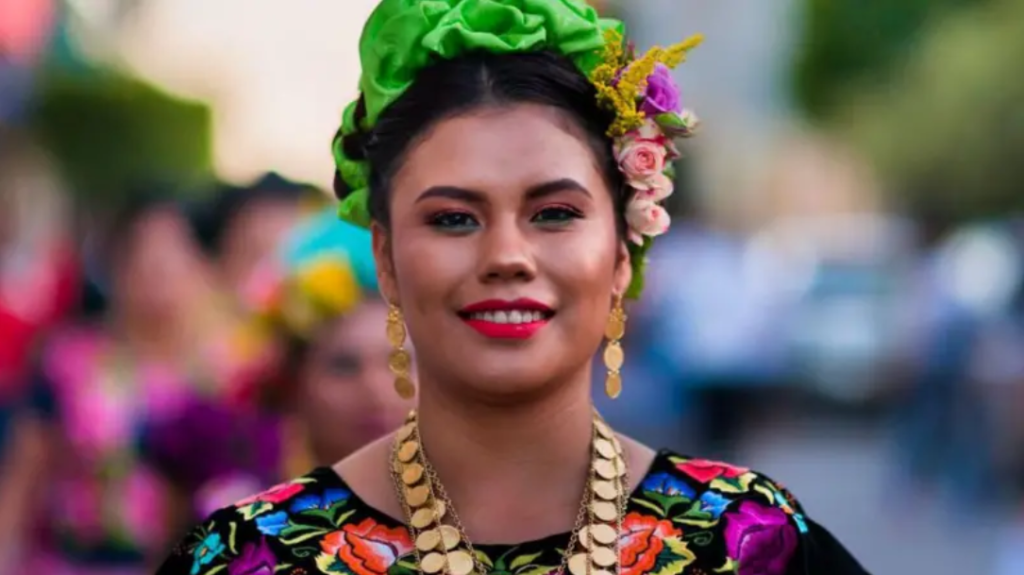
(343, 517)
(483, 558)
(300, 538)
(673, 559)
(319, 513)
(522, 561)
(652, 506)
(538, 570)
(669, 120)
(231, 537)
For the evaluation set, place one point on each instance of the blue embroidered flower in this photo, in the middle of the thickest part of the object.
(208, 549)
(272, 524)
(667, 484)
(714, 503)
(322, 501)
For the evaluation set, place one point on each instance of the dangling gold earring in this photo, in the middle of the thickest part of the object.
(613, 354)
(399, 361)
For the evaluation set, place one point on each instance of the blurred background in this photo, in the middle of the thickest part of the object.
(840, 302)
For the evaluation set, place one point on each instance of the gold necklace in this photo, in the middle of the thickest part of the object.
(440, 541)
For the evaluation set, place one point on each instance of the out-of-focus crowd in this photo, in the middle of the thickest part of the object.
(140, 385)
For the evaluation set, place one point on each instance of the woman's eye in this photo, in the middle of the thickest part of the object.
(456, 221)
(557, 215)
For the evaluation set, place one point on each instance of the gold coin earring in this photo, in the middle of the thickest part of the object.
(613, 354)
(399, 361)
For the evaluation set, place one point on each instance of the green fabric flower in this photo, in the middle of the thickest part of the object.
(404, 36)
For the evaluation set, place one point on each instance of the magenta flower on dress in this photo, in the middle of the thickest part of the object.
(256, 559)
(760, 539)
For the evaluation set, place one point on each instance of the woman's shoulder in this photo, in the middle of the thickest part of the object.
(743, 520)
(705, 503)
(256, 531)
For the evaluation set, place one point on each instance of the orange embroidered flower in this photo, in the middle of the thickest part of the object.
(642, 540)
(368, 548)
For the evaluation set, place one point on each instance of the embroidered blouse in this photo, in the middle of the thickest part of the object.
(687, 517)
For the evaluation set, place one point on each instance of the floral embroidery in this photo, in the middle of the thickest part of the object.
(276, 494)
(687, 517)
(208, 549)
(256, 559)
(650, 545)
(760, 539)
(367, 548)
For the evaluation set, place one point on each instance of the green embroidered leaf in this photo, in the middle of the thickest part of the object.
(702, 538)
(538, 570)
(402, 568)
(522, 561)
(697, 516)
(652, 506)
(233, 527)
(306, 537)
(739, 484)
(327, 563)
(673, 559)
(729, 567)
(483, 558)
(251, 511)
(216, 569)
(282, 567)
(319, 513)
(667, 502)
(343, 517)
(294, 529)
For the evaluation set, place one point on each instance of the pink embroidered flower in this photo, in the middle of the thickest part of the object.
(276, 494)
(760, 539)
(705, 470)
(645, 218)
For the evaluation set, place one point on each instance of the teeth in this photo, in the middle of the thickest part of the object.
(512, 316)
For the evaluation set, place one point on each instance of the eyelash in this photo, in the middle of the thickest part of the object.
(438, 220)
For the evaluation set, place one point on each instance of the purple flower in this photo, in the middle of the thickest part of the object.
(760, 539)
(256, 559)
(662, 95)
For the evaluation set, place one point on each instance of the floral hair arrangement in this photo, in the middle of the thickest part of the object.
(402, 37)
(649, 116)
(321, 272)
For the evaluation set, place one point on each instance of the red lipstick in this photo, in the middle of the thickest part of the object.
(503, 319)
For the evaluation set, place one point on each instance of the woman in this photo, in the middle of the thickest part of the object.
(331, 395)
(511, 197)
(98, 506)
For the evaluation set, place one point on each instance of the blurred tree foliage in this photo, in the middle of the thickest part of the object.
(108, 131)
(847, 42)
(948, 133)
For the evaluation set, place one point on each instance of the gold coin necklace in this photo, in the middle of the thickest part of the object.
(440, 541)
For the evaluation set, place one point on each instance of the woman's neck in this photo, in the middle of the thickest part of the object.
(513, 472)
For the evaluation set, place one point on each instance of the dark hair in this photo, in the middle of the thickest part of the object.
(230, 201)
(145, 200)
(447, 88)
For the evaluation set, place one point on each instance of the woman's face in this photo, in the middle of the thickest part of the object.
(502, 253)
(162, 269)
(346, 393)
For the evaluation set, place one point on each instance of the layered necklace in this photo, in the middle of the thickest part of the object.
(440, 541)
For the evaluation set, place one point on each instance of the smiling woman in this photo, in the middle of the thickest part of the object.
(510, 159)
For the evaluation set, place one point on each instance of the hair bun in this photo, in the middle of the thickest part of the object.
(350, 153)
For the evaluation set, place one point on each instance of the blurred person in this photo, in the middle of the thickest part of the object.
(332, 394)
(39, 275)
(89, 499)
(510, 210)
(246, 223)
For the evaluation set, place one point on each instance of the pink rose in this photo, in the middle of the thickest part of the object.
(641, 160)
(656, 188)
(645, 218)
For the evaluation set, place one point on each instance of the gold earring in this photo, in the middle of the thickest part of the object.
(613, 354)
(399, 361)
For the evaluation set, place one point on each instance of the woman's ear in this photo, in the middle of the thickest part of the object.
(386, 280)
(623, 274)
